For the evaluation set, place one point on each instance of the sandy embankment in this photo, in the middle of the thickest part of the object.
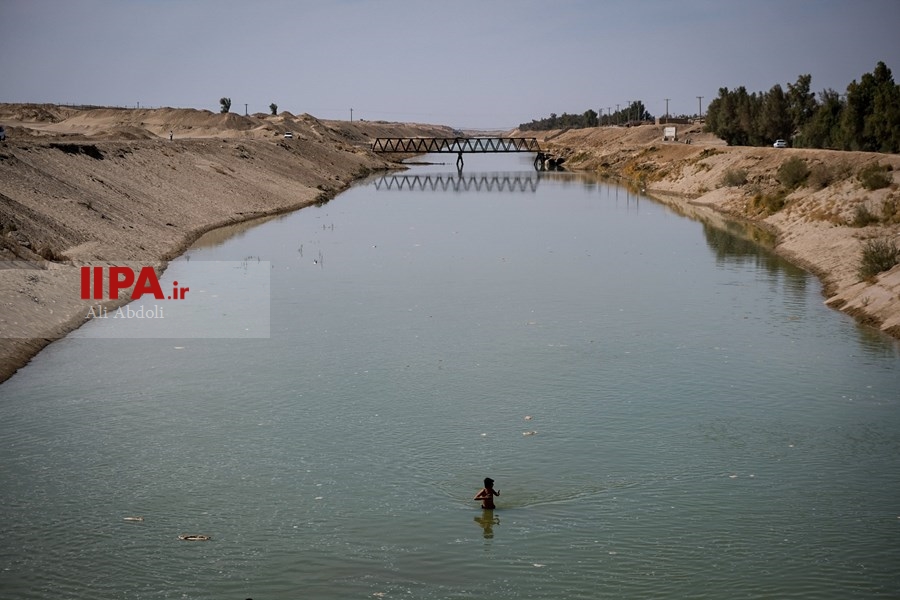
(108, 186)
(814, 229)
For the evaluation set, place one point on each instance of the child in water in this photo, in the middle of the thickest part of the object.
(487, 493)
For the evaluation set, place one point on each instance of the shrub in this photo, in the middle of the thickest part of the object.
(820, 177)
(770, 203)
(792, 173)
(273, 108)
(734, 177)
(889, 210)
(863, 216)
(874, 176)
(878, 255)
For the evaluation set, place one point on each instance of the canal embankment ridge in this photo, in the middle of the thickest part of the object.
(105, 186)
(814, 202)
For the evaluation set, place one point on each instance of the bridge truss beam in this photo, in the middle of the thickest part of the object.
(458, 146)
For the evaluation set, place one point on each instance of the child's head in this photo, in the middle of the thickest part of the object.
(488, 483)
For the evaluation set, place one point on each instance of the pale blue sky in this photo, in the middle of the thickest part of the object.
(465, 63)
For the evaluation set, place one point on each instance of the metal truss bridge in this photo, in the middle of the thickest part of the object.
(498, 182)
(459, 145)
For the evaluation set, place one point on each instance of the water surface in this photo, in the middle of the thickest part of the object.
(704, 425)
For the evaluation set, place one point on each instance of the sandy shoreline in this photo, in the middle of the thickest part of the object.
(70, 196)
(108, 186)
(814, 229)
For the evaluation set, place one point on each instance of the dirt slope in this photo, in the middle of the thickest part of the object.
(107, 186)
(814, 224)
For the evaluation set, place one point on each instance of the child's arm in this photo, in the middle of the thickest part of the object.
(481, 495)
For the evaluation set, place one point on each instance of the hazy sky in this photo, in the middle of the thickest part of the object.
(478, 63)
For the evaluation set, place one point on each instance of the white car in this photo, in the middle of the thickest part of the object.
(288, 135)
(780, 144)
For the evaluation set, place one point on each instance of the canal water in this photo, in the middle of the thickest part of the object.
(668, 411)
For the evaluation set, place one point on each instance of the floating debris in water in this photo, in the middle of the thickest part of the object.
(528, 417)
(194, 538)
(134, 519)
(529, 432)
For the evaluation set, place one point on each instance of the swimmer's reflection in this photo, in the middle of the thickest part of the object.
(487, 520)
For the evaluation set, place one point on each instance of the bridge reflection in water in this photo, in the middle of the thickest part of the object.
(483, 182)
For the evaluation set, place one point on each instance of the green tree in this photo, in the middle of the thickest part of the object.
(882, 126)
(590, 118)
(870, 120)
(720, 114)
(745, 116)
(801, 103)
(859, 102)
(774, 119)
(226, 105)
(636, 111)
(274, 108)
(823, 130)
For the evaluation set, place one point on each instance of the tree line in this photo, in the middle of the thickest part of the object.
(633, 113)
(866, 117)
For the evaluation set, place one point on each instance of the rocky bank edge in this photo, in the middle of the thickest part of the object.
(108, 186)
(705, 179)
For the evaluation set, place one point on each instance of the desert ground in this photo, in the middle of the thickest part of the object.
(105, 186)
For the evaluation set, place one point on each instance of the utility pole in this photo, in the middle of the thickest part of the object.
(699, 106)
(617, 114)
(667, 110)
(351, 115)
(245, 109)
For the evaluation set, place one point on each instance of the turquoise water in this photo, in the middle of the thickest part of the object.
(704, 426)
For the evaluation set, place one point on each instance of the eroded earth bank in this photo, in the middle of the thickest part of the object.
(822, 208)
(106, 186)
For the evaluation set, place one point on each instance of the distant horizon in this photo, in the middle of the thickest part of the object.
(468, 65)
(267, 113)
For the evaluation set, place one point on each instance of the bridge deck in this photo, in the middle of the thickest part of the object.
(455, 145)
